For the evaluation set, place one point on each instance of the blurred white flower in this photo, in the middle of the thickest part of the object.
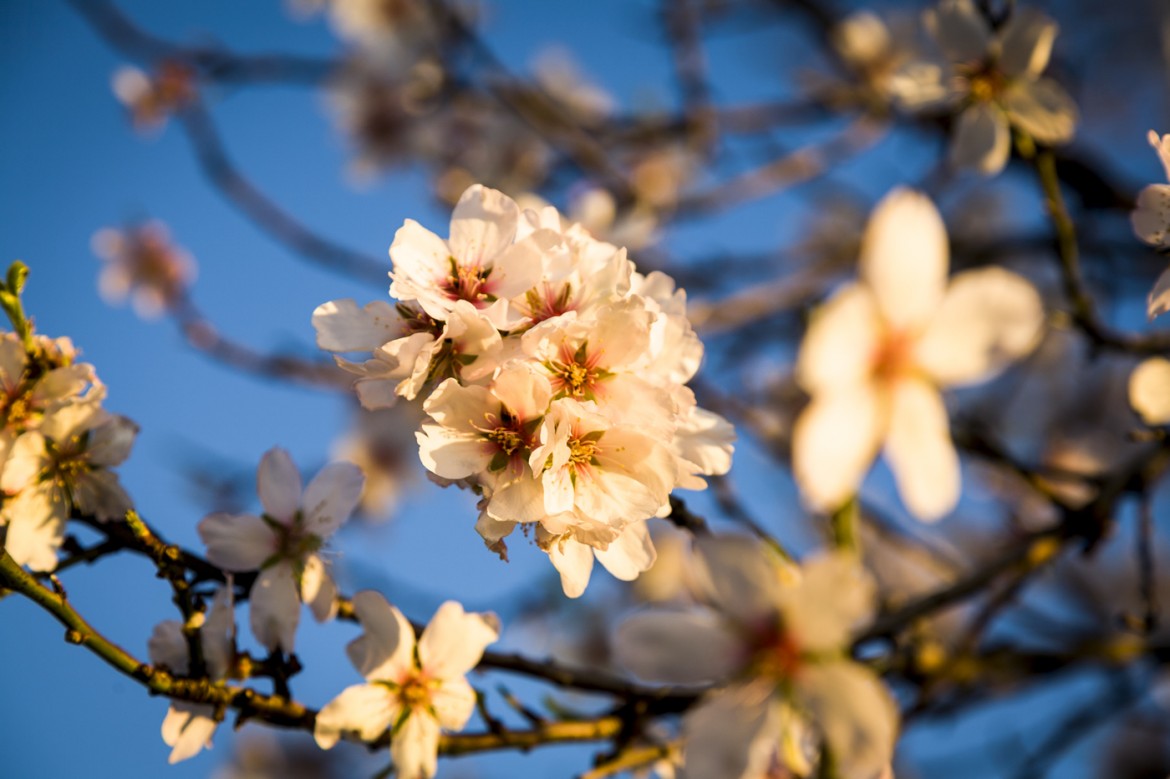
(1149, 390)
(414, 689)
(878, 352)
(997, 82)
(1151, 223)
(283, 543)
(776, 639)
(152, 97)
(888, 61)
(143, 264)
(188, 727)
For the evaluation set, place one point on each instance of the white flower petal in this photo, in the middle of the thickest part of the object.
(36, 527)
(26, 460)
(1158, 301)
(981, 139)
(904, 257)
(1026, 43)
(834, 596)
(453, 703)
(109, 443)
(574, 562)
(385, 651)
(188, 728)
(415, 747)
(275, 607)
(961, 31)
(834, 442)
(1161, 145)
(989, 318)
(318, 591)
(1149, 390)
(731, 734)
(853, 710)
(454, 640)
(278, 482)
(684, 647)
(237, 542)
(167, 646)
(365, 709)
(331, 497)
(841, 341)
(629, 554)
(483, 225)
(343, 327)
(920, 451)
(218, 634)
(1042, 109)
(739, 576)
(419, 256)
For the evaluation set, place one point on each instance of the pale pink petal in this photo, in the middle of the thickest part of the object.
(218, 634)
(739, 576)
(1026, 43)
(1158, 301)
(343, 327)
(1149, 391)
(331, 497)
(854, 711)
(453, 455)
(629, 554)
(1151, 218)
(415, 747)
(318, 591)
(483, 225)
(920, 452)
(275, 607)
(167, 646)
(981, 139)
(834, 597)
(453, 702)
(989, 318)
(237, 542)
(731, 734)
(1161, 146)
(110, 443)
(961, 31)
(418, 255)
(363, 709)
(834, 442)
(685, 647)
(454, 640)
(1042, 109)
(904, 257)
(278, 482)
(385, 651)
(841, 342)
(36, 527)
(26, 460)
(522, 500)
(523, 391)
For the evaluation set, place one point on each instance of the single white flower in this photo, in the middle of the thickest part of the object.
(283, 543)
(887, 60)
(1149, 390)
(188, 727)
(414, 689)
(777, 639)
(626, 554)
(152, 97)
(143, 264)
(998, 82)
(878, 352)
(62, 465)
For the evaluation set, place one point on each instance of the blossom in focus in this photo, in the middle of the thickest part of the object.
(878, 352)
(998, 84)
(775, 640)
(143, 264)
(414, 689)
(1149, 390)
(188, 727)
(61, 466)
(152, 97)
(554, 377)
(1151, 223)
(283, 543)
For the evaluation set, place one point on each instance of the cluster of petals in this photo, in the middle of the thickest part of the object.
(414, 689)
(152, 97)
(57, 446)
(554, 377)
(1151, 223)
(878, 352)
(774, 640)
(188, 727)
(888, 60)
(995, 79)
(284, 542)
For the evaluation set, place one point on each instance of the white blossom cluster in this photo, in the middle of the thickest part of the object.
(57, 446)
(554, 377)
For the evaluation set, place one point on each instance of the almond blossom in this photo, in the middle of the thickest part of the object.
(414, 689)
(152, 97)
(1151, 223)
(878, 352)
(188, 727)
(775, 639)
(284, 542)
(998, 84)
(1149, 390)
(143, 264)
